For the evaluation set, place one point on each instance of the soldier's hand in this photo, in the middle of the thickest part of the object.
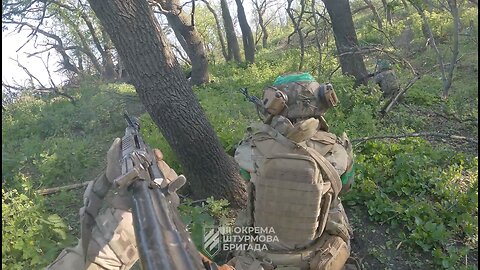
(206, 260)
(172, 181)
(114, 154)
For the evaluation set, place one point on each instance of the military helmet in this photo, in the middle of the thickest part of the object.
(383, 65)
(298, 96)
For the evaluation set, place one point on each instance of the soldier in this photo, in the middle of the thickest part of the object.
(296, 171)
(107, 233)
(386, 78)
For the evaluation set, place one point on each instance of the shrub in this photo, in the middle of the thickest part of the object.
(30, 237)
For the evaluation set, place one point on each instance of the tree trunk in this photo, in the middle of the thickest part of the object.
(163, 89)
(456, 25)
(387, 10)
(219, 30)
(247, 35)
(193, 45)
(431, 40)
(375, 13)
(346, 40)
(108, 71)
(297, 28)
(232, 42)
(260, 8)
(317, 36)
(109, 66)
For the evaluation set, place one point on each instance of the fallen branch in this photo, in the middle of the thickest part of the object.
(418, 134)
(49, 191)
(394, 100)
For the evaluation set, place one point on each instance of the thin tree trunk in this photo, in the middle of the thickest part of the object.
(456, 25)
(298, 29)
(317, 36)
(219, 30)
(163, 89)
(433, 44)
(387, 10)
(375, 13)
(260, 12)
(193, 45)
(232, 42)
(109, 66)
(107, 61)
(85, 46)
(247, 35)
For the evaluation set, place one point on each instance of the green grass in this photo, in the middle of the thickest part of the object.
(426, 191)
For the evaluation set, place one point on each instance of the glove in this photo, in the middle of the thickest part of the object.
(207, 261)
(172, 181)
(114, 154)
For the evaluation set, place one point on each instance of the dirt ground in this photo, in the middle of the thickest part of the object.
(374, 247)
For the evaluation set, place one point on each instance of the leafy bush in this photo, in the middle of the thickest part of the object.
(31, 238)
(430, 193)
(198, 217)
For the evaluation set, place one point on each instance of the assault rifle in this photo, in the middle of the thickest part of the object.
(162, 240)
(255, 100)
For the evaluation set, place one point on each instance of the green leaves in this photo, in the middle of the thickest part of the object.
(197, 217)
(431, 193)
(30, 238)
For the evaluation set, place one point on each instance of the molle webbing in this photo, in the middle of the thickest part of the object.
(288, 197)
(329, 170)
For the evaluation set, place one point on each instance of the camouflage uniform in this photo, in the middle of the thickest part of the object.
(386, 78)
(297, 170)
(107, 234)
(319, 240)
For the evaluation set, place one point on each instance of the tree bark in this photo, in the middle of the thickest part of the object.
(193, 45)
(109, 66)
(260, 8)
(219, 30)
(375, 13)
(298, 29)
(387, 10)
(346, 40)
(456, 25)
(232, 42)
(247, 35)
(431, 40)
(163, 89)
(317, 36)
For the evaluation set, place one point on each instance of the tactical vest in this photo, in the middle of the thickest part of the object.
(294, 184)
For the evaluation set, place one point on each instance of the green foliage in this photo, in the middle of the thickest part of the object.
(47, 141)
(198, 217)
(431, 193)
(47, 137)
(426, 194)
(31, 238)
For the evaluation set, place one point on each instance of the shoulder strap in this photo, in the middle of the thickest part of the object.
(328, 169)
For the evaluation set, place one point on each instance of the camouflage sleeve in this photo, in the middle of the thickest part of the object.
(107, 235)
(244, 158)
(349, 176)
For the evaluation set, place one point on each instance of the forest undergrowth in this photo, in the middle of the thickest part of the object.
(414, 204)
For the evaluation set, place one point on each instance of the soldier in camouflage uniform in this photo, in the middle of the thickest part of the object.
(296, 171)
(386, 78)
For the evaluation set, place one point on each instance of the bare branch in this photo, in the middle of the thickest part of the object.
(48, 191)
(418, 134)
(32, 77)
